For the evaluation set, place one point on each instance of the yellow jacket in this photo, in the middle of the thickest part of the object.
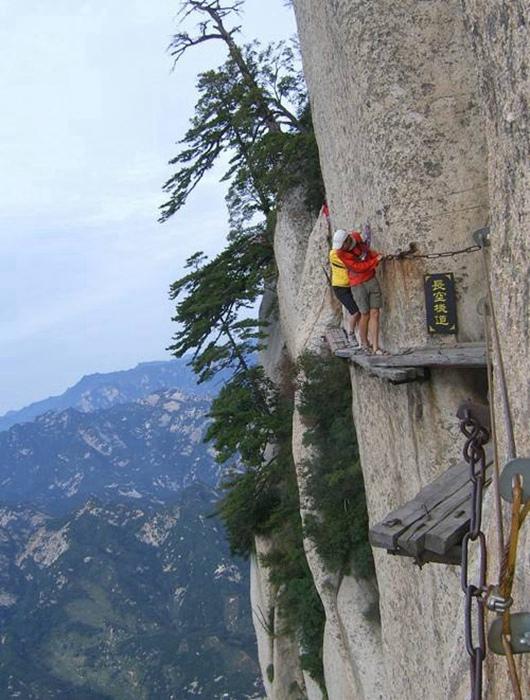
(339, 271)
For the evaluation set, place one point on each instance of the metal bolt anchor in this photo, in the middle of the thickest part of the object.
(496, 602)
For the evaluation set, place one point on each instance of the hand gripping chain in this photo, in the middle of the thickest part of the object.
(477, 435)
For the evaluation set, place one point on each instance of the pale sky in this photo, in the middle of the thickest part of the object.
(90, 115)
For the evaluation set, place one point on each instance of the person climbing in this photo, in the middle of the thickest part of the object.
(361, 262)
(340, 283)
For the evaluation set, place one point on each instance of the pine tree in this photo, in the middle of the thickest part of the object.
(253, 107)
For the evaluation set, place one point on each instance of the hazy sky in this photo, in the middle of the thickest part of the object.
(90, 115)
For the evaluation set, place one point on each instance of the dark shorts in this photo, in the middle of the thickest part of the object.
(343, 294)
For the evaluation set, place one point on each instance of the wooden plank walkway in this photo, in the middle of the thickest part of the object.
(411, 364)
(462, 355)
(430, 528)
(341, 348)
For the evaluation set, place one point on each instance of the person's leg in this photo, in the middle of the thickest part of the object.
(360, 296)
(354, 320)
(363, 330)
(375, 302)
(349, 308)
(373, 324)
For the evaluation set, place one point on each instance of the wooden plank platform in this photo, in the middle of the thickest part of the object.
(462, 355)
(395, 375)
(430, 528)
(341, 348)
(411, 364)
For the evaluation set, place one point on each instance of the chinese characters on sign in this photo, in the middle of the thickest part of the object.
(440, 303)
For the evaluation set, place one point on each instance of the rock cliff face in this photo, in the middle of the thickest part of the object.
(501, 39)
(421, 115)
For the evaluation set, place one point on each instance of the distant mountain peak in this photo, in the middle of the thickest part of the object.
(145, 450)
(104, 390)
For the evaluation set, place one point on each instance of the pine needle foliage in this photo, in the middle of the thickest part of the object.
(243, 423)
(334, 476)
(255, 434)
(254, 108)
(212, 300)
(248, 415)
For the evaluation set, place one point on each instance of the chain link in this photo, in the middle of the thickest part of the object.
(432, 256)
(476, 437)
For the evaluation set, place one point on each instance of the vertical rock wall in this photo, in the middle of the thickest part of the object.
(278, 654)
(421, 114)
(500, 35)
(305, 308)
(401, 137)
(297, 312)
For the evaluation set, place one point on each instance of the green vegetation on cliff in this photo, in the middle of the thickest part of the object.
(255, 107)
(263, 499)
(334, 476)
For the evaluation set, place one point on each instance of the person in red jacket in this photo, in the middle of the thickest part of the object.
(362, 263)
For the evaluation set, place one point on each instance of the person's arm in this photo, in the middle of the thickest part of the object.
(356, 265)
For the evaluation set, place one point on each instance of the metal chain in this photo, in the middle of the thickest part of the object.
(476, 437)
(431, 256)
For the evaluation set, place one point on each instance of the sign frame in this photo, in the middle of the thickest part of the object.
(440, 303)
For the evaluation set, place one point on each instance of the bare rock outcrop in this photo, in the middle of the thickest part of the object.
(500, 34)
(421, 116)
(398, 124)
(278, 654)
(305, 308)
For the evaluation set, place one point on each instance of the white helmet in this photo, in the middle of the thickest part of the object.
(339, 237)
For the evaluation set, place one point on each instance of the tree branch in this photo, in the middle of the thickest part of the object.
(183, 41)
(217, 11)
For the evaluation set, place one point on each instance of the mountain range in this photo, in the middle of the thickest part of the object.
(146, 449)
(116, 582)
(97, 391)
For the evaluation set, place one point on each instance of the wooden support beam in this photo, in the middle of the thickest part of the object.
(453, 556)
(409, 365)
(464, 355)
(395, 375)
(431, 526)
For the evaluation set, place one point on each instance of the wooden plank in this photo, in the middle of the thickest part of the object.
(336, 339)
(395, 376)
(414, 539)
(386, 533)
(390, 533)
(341, 348)
(408, 366)
(459, 356)
(399, 375)
(344, 353)
(451, 530)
